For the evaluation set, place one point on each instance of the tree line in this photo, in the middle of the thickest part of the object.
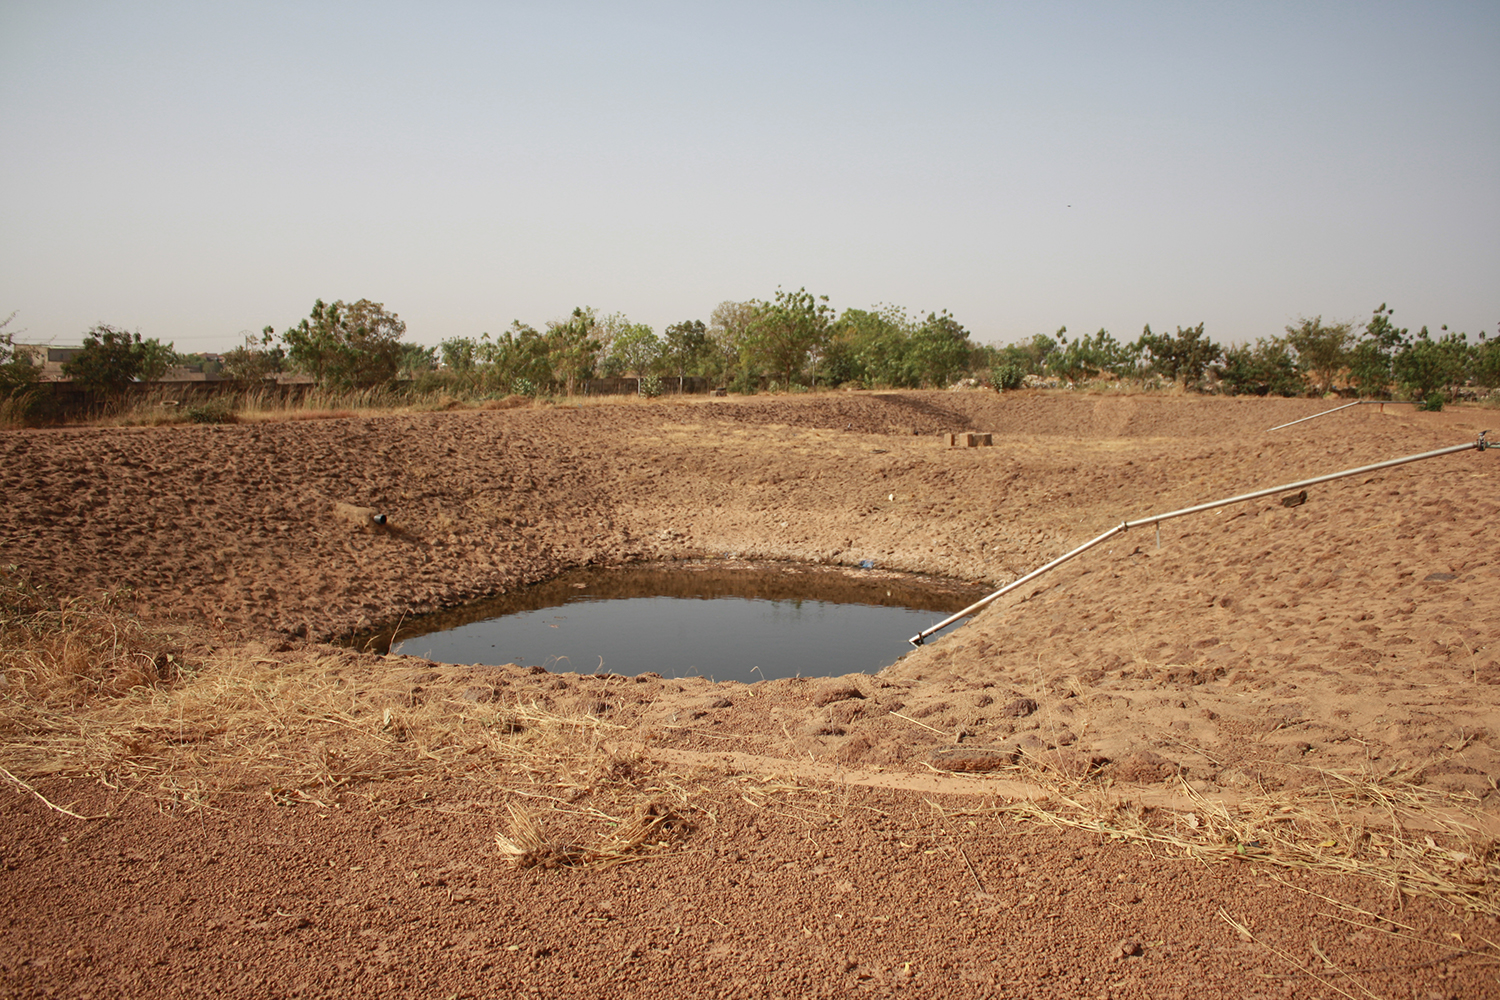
(1377, 360)
(796, 341)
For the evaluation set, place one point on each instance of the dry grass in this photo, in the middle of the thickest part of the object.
(66, 653)
(295, 729)
(1409, 838)
(653, 826)
(90, 694)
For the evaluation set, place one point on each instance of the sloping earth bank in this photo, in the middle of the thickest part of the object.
(1258, 651)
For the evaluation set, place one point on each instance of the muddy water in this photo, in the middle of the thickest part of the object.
(722, 619)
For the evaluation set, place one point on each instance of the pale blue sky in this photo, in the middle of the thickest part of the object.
(194, 170)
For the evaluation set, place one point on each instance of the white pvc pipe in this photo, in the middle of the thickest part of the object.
(916, 640)
(1357, 402)
(1479, 445)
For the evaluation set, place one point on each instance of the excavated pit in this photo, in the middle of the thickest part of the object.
(723, 619)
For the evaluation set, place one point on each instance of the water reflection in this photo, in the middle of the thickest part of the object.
(723, 620)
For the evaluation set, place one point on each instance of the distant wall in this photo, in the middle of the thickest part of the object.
(670, 384)
(60, 401)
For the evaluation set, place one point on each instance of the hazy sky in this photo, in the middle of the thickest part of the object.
(195, 170)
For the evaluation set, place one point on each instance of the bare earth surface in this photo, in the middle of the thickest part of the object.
(1174, 770)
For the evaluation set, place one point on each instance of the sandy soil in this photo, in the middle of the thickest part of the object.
(827, 836)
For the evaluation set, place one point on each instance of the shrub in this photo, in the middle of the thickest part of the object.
(211, 411)
(1007, 377)
(1266, 368)
(110, 360)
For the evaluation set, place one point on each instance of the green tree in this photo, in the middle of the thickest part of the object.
(459, 353)
(1267, 368)
(729, 333)
(1087, 357)
(416, 360)
(157, 359)
(938, 350)
(202, 362)
(573, 347)
(347, 346)
(1184, 357)
(685, 346)
(1322, 351)
(1425, 366)
(1370, 359)
(789, 331)
(1032, 357)
(17, 374)
(636, 350)
(872, 347)
(110, 360)
(840, 364)
(521, 356)
(1486, 362)
(256, 360)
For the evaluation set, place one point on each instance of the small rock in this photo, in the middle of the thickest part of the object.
(973, 759)
(1075, 764)
(845, 712)
(1031, 743)
(1020, 708)
(1293, 751)
(1145, 767)
(836, 691)
(822, 729)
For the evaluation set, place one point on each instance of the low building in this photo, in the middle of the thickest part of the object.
(48, 357)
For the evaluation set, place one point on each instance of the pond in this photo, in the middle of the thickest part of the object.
(720, 619)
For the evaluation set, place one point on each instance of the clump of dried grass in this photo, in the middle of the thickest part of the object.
(305, 728)
(69, 652)
(653, 826)
(1409, 838)
(510, 402)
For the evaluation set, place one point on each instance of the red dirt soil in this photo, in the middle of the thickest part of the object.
(824, 843)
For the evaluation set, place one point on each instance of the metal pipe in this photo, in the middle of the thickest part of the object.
(1357, 402)
(916, 640)
(1479, 445)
